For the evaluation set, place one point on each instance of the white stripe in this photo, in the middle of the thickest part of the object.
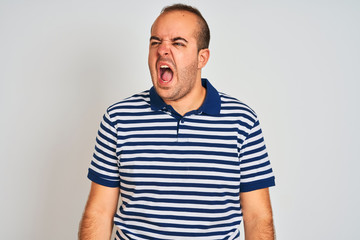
(180, 148)
(182, 172)
(172, 229)
(183, 189)
(148, 124)
(108, 160)
(257, 170)
(145, 117)
(178, 156)
(101, 130)
(254, 155)
(211, 125)
(175, 139)
(104, 173)
(102, 164)
(180, 180)
(184, 205)
(105, 149)
(147, 132)
(256, 178)
(187, 222)
(120, 233)
(207, 133)
(253, 163)
(177, 164)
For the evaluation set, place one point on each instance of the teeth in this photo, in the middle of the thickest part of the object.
(164, 66)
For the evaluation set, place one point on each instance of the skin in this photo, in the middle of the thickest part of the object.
(257, 215)
(97, 220)
(173, 43)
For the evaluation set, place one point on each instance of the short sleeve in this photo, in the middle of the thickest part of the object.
(255, 167)
(104, 168)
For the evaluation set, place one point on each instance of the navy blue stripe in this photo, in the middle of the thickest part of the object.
(255, 166)
(127, 107)
(102, 179)
(98, 150)
(144, 128)
(239, 115)
(177, 234)
(213, 137)
(158, 135)
(139, 236)
(263, 183)
(245, 153)
(242, 132)
(100, 135)
(103, 168)
(103, 127)
(102, 144)
(180, 152)
(134, 114)
(212, 129)
(235, 237)
(144, 121)
(147, 136)
(180, 201)
(192, 144)
(184, 185)
(184, 218)
(239, 107)
(181, 209)
(103, 160)
(257, 174)
(174, 176)
(165, 224)
(176, 160)
(180, 168)
(250, 144)
(265, 155)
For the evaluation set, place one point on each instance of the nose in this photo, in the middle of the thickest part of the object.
(163, 49)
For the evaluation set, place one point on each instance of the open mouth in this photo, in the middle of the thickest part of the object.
(166, 74)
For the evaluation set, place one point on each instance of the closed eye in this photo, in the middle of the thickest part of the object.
(154, 43)
(178, 44)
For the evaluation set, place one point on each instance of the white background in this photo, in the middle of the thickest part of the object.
(62, 63)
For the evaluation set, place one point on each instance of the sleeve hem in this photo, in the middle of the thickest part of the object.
(265, 183)
(93, 177)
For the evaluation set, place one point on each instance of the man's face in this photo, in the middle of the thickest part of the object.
(173, 55)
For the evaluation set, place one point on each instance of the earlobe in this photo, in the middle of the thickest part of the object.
(203, 57)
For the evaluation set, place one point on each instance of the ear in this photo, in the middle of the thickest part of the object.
(203, 57)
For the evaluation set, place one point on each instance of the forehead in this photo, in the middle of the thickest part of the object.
(175, 24)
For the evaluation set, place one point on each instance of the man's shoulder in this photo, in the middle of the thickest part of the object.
(136, 101)
(232, 104)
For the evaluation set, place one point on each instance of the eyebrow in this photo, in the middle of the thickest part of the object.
(155, 38)
(179, 38)
(173, 40)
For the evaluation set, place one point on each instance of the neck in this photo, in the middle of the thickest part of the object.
(191, 101)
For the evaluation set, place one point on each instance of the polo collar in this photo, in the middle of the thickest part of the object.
(210, 106)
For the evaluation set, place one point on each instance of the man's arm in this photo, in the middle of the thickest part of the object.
(257, 215)
(97, 221)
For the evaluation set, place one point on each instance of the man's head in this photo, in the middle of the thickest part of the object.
(203, 32)
(178, 51)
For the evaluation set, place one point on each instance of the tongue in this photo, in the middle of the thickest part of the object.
(167, 75)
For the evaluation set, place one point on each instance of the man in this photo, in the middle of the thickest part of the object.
(181, 156)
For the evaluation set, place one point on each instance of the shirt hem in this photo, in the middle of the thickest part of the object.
(94, 178)
(264, 183)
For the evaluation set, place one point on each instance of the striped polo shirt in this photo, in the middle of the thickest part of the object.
(180, 176)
